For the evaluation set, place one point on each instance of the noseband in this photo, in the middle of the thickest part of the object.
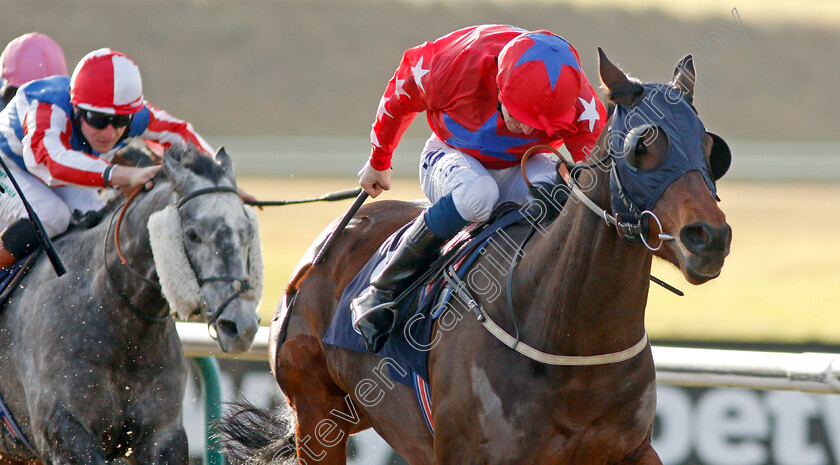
(240, 286)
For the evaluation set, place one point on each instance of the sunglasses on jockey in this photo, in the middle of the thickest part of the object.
(99, 120)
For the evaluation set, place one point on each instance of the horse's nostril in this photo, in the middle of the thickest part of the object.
(226, 326)
(696, 236)
(699, 237)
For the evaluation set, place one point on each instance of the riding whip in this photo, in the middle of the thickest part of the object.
(40, 233)
(360, 199)
(330, 197)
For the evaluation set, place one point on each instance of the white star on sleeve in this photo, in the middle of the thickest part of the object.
(373, 139)
(590, 112)
(398, 89)
(381, 109)
(418, 73)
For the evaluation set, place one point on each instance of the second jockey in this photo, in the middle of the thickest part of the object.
(490, 93)
(57, 136)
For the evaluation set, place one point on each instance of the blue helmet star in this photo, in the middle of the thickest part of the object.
(485, 139)
(553, 52)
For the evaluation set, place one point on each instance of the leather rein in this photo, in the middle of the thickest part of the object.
(513, 341)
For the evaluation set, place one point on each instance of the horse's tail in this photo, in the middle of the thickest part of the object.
(254, 436)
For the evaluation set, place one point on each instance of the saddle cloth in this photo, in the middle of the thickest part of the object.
(407, 348)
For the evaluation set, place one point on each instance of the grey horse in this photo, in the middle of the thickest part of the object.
(91, 367)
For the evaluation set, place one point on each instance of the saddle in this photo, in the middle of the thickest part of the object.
(10, 277)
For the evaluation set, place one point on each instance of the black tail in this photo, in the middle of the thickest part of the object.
(254, 436)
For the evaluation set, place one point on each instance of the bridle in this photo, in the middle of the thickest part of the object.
(631, 231)
(513, 341)
(240, 285)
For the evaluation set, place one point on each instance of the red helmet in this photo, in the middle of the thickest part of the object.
(107, 81)
(29, 57)
(539, 80)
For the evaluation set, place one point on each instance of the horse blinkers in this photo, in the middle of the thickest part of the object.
(720, 157)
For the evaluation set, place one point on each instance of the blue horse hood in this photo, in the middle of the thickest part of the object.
(665, 108)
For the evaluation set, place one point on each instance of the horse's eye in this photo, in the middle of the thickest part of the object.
(641, 149)
(638, 151)
(192, 236)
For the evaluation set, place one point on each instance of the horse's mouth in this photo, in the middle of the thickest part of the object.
(697, 277)
(696, 268)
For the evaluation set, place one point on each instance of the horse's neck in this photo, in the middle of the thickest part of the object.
(591, 285)
(144, 294)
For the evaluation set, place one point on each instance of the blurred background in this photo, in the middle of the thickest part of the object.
(318, 67)
(290, 88)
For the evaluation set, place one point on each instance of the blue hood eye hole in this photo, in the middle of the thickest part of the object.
(643, 142)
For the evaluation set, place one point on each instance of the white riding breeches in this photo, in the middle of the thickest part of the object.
(475, 189)
(52, 204)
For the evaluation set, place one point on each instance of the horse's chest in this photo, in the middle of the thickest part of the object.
(550, 415)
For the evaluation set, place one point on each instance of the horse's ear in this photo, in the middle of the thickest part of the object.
(172, 161)
(226, 163)
(623, 91)
(684, 76)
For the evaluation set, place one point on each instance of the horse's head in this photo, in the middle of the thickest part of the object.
(665, 167)
(207, 249)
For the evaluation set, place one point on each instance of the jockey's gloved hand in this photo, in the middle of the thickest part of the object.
(549, 199)
(88, 219)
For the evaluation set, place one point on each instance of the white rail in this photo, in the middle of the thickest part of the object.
(806, 372)
(197, 342)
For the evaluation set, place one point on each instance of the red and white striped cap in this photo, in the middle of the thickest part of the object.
(107, 81)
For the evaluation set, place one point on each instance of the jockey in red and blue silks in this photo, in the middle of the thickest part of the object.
(490, 93)
(57, 136)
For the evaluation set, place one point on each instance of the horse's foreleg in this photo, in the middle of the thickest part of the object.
(645, 456)
(326, 416)
(167, 446)
(65, 441)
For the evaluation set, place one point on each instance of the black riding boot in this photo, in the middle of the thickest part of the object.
(373, 314)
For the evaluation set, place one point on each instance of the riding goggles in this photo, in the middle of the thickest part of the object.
(98, 120)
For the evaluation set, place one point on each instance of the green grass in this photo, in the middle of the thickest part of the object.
(781, 282)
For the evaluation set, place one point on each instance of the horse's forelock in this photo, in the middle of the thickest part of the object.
(204, 166)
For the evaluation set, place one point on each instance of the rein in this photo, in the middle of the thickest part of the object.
(622, 229)
(137, 311)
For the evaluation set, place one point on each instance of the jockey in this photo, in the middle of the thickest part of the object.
(490, 92)
(57, 136)
(26, 58)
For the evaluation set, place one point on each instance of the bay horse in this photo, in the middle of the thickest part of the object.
(91, 366)
(579, 388)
